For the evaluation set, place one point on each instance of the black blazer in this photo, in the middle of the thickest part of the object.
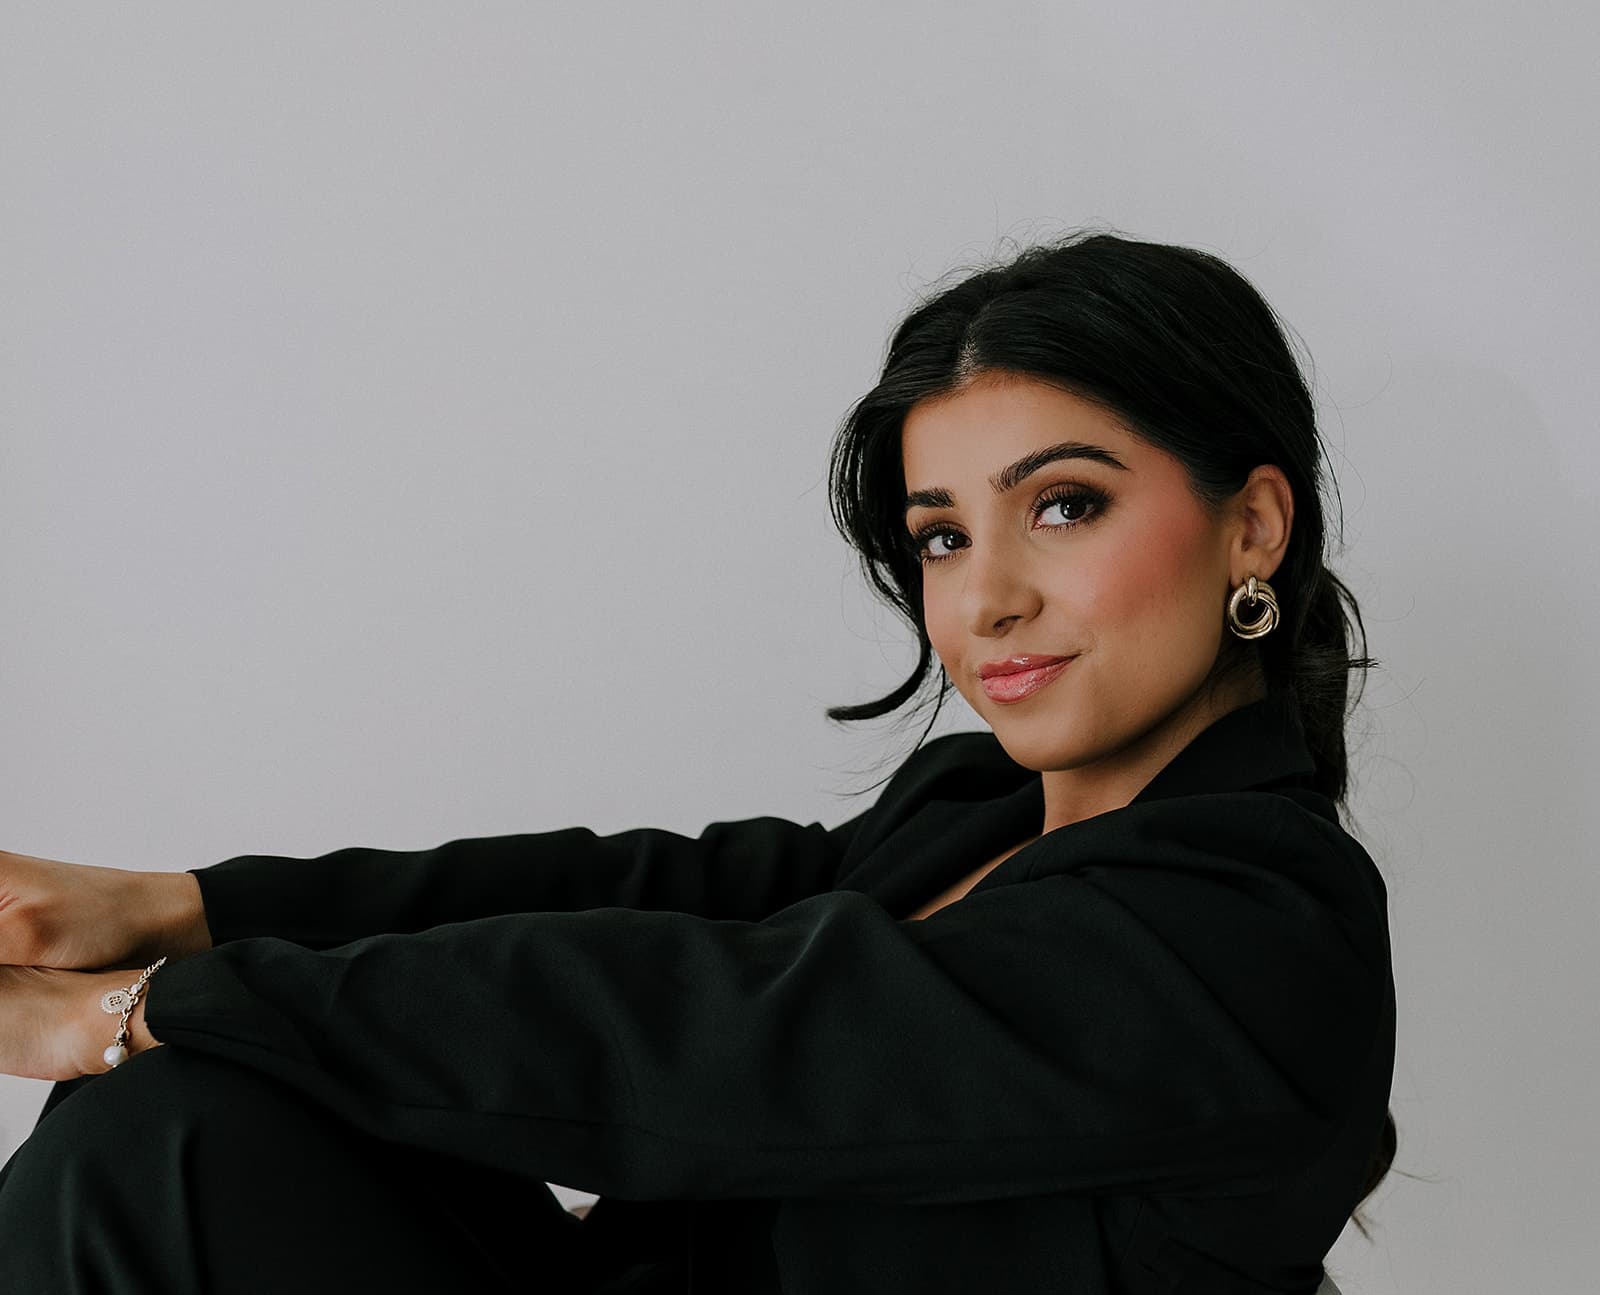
(1150, 1051)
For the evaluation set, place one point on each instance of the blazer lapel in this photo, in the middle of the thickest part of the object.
(1259, 744)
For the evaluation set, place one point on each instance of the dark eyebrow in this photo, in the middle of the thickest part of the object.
(1010, 478)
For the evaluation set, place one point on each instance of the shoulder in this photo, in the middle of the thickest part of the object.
(975, 753)
(967, 766)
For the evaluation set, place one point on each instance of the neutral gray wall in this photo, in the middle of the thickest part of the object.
(415, 423)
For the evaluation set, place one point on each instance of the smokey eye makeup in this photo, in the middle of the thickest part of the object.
(1069, 497)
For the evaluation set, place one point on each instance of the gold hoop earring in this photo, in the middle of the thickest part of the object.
(1255, 591)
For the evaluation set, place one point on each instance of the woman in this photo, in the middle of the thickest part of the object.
(1098, 1000)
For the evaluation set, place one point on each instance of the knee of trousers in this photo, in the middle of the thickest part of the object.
(139, 1117)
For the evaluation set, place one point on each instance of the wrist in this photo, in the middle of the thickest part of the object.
(104, 1030)
(174, 915)
(139, 1037)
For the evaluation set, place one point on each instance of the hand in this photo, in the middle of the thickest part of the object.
(79, 916)
(52, 1025)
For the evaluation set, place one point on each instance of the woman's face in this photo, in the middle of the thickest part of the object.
(1095, 548)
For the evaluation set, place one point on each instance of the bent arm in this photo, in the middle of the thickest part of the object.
(1035, 1037)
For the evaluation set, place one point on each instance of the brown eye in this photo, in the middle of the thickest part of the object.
(923, 539)
(1076, 500)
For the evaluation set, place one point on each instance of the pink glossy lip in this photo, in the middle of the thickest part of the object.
(1016, 664)
(1017, 684)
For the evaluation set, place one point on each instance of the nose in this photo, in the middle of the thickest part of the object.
(999, 589)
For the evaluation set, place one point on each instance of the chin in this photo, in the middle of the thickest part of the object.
(1041, 749)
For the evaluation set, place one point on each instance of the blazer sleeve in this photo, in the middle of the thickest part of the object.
(1066, 1032)
(739, 870)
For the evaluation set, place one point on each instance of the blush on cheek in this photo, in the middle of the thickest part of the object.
(1159, 576)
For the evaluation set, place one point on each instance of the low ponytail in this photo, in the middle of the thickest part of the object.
(1321, 660)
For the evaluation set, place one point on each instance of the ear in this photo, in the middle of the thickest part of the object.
(1263, 514)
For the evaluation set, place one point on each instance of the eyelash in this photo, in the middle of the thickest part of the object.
(1057, 495)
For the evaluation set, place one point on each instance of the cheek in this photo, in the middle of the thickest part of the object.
(940, 622)
(947, 633)
(1160, 587)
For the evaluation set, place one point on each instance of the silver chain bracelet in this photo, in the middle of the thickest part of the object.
(124, 1001)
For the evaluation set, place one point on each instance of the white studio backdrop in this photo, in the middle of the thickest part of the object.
(415, 422)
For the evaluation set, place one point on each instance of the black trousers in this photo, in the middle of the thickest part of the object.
(182, 1174)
